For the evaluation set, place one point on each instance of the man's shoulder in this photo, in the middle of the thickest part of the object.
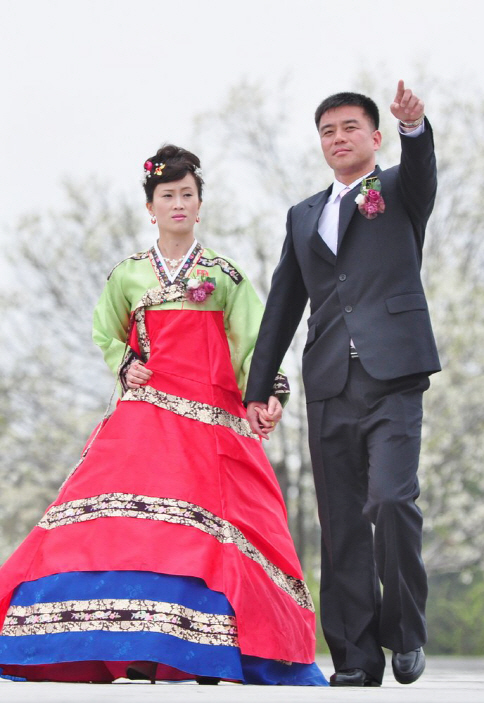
(311, 201)
(389, 174)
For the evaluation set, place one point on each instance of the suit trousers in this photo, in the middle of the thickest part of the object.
(365, 446)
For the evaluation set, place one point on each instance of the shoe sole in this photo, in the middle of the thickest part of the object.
(367, 684)
(406, 679)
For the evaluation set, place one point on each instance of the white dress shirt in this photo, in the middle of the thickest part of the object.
(329, 220)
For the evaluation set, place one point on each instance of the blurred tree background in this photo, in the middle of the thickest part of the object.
(55, 387)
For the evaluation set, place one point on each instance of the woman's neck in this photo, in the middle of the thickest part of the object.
(175, 247)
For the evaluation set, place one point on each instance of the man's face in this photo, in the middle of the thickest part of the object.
(349, 142)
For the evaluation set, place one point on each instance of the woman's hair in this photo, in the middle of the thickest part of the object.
(171, 163)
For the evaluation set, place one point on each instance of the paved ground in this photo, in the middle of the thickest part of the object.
(446, 680)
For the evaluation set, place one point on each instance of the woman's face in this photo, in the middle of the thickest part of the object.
(175, 205)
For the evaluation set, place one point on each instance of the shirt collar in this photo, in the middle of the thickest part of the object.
(338, 186)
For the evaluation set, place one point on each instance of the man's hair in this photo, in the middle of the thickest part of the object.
(341, 99)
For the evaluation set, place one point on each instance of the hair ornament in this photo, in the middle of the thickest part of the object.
(148, 167)
(197, 171)
(159, 169)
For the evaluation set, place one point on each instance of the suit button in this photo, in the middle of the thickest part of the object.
(342, 277)
(348, 308)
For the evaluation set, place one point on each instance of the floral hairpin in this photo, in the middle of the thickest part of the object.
(369, 199)
(148, 166)
(197, 171)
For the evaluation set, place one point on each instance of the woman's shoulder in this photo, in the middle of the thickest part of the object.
(213, 260)
(139, 256)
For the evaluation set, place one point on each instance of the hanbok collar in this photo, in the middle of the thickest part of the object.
(163, 266)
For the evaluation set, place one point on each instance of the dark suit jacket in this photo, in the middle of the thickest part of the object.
(370, 292)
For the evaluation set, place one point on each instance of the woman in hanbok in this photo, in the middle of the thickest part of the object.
(167, 555)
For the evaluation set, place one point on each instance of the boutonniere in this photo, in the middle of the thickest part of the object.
(369, 199)
(198, 289)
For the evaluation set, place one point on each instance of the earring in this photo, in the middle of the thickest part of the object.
(153, 220)
(198, 218)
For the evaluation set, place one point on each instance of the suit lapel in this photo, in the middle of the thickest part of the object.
(315, 240)
(348, 207)
(346, 211)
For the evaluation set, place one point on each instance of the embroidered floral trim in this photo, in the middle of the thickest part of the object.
(280, 385)
(224, 265)
(202, 412)
(154, 296)
(136, 257)
(183, 273)
(174, 511)
(121, 615)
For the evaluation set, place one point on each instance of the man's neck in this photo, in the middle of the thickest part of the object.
(356, 180)
(349, 178)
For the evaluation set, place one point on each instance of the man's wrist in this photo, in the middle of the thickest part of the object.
(412, 124)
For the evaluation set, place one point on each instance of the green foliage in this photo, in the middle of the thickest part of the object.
(455, 614)
(312, 581)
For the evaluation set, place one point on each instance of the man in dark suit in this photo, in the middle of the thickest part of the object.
(369, 352)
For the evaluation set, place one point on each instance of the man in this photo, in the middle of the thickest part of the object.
(369, 352)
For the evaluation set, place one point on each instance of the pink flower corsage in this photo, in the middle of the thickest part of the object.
(198, 289)
(369, 199)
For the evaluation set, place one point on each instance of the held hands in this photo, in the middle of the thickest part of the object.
(406, 107)
(137, 375)
(263, 417)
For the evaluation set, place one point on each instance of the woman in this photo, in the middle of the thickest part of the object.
(166, 554)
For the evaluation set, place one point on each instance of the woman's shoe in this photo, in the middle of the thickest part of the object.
(142, 671)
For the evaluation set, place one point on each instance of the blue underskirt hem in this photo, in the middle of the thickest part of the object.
(193, 658)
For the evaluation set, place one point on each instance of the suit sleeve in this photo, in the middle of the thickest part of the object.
(285, 306)
(242, 315)
(418, 178)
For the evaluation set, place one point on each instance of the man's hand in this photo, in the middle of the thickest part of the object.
(263, 417)
(406, 106)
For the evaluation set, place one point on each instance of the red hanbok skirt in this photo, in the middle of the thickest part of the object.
(174, 488)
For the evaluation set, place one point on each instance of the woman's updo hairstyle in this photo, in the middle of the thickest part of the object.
(171, 163)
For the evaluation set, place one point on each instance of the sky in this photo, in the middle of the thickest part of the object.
(92, 87)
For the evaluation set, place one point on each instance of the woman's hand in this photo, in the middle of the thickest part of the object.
(263, 417)
(137, 375)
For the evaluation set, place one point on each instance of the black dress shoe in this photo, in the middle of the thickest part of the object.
(207, 680)
(352, 677)
(408, 667)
